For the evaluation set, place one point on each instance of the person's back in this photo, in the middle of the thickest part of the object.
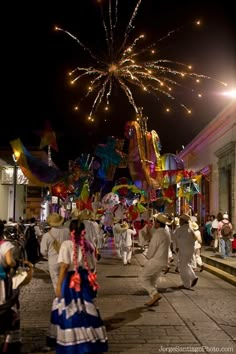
(185, 240)
(47, 248)
(56, 235)
(225, 233)
(79, 326)
(159, 246)
(31, 242)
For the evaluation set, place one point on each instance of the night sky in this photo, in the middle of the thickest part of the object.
(38, 59)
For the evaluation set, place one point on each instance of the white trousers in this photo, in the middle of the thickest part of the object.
(197, 259)
(149, 276)
(186, 271)
(54, 274)
(127, 254)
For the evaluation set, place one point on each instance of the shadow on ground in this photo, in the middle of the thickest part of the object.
(122, 318)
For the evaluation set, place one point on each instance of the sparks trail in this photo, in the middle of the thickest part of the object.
(127, 65)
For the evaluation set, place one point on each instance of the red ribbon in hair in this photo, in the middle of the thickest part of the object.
(75, 281)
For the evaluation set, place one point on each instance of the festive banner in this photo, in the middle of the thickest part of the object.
(48, 137)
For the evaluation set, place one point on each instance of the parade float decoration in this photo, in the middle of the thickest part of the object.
(143, 154)
(126, 190)
(111, 156)
(149, 169)
(37, 171)
(48, 139)
(163, 178)
(109, 201)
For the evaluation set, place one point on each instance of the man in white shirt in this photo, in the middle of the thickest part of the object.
(117, 231)
(59, 233)
(127, 242)
(185, 239)
(157, 257)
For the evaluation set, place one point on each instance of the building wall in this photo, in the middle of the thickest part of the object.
(25, 206)
(214, 150)
(4, 193)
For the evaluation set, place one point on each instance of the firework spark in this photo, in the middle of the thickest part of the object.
(125, 65)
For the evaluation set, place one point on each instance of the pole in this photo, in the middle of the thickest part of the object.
(14, 189)
(49, 156)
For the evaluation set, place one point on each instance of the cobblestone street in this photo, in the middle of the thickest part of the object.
(200, 320)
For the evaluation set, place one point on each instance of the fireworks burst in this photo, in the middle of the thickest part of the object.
(125, 66)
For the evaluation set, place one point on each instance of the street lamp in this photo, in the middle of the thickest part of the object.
(15, 157)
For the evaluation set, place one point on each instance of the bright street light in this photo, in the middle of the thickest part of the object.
(231, 93)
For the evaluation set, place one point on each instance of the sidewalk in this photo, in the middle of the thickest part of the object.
(201, 320)
(223, 268)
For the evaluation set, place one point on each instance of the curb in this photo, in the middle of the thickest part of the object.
(220, 273)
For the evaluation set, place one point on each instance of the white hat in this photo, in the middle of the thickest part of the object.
(161, 218)
(185, 217)
(55, 220)
(194, 226)
(225, 216)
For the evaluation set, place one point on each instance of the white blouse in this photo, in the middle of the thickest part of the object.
(66, 256)
(4, 248)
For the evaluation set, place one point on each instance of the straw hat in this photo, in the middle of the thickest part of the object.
(85, 214)
(194, 226)
(161, 218)
(55, 219)
(116, 220)
(169, 221)
(75, 213)
(124, 225)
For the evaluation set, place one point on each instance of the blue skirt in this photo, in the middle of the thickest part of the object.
(76, 324)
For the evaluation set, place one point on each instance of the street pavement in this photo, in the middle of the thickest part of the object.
(200, 320)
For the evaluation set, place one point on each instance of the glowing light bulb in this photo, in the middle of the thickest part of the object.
(17, 154)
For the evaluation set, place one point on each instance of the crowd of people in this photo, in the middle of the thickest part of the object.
(73, 248)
